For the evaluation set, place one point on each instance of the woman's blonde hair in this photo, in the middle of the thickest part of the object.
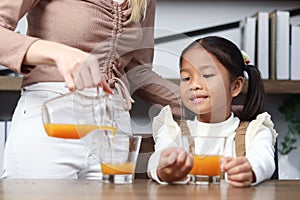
(139, 8)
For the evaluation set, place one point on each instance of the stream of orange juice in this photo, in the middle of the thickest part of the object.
(208, 165)
(112, 169)
(74, 131)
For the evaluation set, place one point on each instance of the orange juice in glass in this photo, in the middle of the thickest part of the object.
(118, 155)
(112, 169)
(207, 152)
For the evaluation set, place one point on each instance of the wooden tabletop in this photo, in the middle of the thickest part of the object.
(142, 189)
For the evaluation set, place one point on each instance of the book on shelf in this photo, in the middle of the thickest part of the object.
(262, 43)
(279, 44)
(248, 36)
(295, 52)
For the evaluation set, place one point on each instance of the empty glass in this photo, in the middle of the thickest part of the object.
(207, 152)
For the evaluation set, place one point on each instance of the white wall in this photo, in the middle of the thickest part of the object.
(187, 15)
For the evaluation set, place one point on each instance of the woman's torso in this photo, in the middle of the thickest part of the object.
(96, 26)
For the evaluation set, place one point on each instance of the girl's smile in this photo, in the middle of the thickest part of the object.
(197, 98)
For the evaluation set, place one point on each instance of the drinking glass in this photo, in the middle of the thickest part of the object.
(207, 152)
(111, 118)
(118, 155)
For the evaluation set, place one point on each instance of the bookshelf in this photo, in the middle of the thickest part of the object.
(274, 86)
(12, 83)
(282, 86)
(271, 86)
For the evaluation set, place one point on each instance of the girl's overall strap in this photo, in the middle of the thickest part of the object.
(240, 149)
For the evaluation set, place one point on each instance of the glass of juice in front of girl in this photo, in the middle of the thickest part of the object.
(207, 152)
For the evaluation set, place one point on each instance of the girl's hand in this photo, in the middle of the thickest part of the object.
(239, 171)
(174, 165)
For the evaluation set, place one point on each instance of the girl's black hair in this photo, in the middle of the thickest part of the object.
(231, 58)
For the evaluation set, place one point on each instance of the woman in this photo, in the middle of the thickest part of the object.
(74, 45)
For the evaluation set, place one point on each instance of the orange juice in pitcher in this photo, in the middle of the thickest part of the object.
(74, 131)
(74, 115)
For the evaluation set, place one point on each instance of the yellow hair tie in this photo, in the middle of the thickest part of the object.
(246, 57)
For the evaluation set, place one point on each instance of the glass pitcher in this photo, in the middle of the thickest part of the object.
(76, 114)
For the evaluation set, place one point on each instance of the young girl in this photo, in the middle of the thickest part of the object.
(212, 74)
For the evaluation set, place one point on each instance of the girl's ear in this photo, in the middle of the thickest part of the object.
(237, 86)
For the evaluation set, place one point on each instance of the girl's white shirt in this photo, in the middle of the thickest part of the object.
(260, 138)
